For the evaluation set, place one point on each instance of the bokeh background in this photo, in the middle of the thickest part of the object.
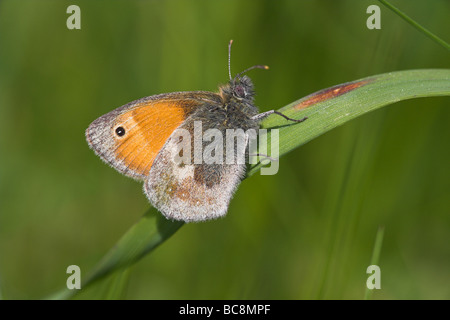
(305, 233)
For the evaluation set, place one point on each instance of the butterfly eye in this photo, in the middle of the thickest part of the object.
(120, 131)
(239, 91)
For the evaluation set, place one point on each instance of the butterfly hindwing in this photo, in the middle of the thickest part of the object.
(190, 192)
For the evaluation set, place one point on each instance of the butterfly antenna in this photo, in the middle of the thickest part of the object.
(251, 68)
(246, 70)
(229, 59)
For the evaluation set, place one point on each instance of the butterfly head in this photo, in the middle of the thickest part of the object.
(240, 87)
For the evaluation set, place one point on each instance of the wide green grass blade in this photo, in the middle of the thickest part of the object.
(325, 110)
(332, 107)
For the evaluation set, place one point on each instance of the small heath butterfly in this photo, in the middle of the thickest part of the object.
(142, 140)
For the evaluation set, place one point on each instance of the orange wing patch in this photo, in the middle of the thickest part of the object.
(147, 127)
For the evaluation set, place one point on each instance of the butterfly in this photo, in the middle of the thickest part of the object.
(142, 139)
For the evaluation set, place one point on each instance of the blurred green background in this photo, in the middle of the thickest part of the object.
(305, 233)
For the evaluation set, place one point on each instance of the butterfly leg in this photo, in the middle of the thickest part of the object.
(268, 113)
(262, 155)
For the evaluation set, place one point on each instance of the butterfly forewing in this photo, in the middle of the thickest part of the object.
(130, 137)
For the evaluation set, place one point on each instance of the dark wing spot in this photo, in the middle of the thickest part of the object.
(208, 174)
(120, 131)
